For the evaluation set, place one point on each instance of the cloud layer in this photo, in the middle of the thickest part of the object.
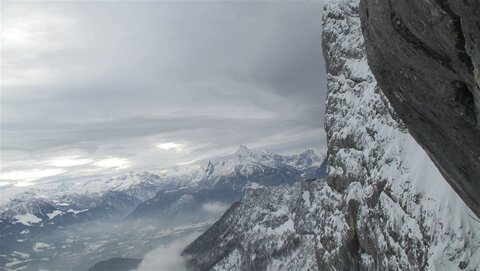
(91, 87)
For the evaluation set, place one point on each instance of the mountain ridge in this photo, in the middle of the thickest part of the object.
(41, 223)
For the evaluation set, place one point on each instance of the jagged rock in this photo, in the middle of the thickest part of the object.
(426, 57)
(260, 233)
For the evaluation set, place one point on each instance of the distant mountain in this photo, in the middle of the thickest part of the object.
(246, 166)
(181, 195)
(141, 185)
(81, 200)
(170, 208)
(223, 182)
(24, 218)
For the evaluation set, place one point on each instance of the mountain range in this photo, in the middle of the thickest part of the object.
(188, 195)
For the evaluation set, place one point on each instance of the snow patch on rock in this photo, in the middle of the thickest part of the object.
(27, 219)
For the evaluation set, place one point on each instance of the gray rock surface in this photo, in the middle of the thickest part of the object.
(426, 57)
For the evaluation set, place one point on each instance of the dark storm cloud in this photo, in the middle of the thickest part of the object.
(115, 79)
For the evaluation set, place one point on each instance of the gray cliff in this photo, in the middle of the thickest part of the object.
(426, 57)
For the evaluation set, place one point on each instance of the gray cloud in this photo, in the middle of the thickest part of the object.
(114, 79)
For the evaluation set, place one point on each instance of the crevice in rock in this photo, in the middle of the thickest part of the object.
(460, 38)
(352, 243)
(464, 101)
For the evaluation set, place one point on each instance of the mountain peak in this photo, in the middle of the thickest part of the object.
(309, 152)
(244, 152)
(208, 167)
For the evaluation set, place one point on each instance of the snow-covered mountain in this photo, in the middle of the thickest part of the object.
(267, 168)
(220, 183)
(233, 172)
(75, 202)
(384, 206)
(245, 164)
(192, 194)
(141, 185)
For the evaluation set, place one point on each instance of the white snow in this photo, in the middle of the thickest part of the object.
(76, 211)
(54, 213)
(27, 219)
(41, 246)
(306, 197)
(95, 247)
(20, 254)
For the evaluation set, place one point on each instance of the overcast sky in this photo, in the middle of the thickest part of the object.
(99, 87)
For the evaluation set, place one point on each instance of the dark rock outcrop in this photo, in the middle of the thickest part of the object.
(116, 264)
(425, 56)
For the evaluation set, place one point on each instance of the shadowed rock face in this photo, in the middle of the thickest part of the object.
(426, 57)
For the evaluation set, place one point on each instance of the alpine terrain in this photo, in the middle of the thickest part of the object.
(82, 222)
(384, 204)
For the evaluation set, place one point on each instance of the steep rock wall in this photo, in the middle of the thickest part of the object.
(426, 57)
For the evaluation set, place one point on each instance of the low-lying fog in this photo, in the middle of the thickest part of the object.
(80, 246)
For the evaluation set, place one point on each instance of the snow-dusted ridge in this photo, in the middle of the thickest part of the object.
(36, 204)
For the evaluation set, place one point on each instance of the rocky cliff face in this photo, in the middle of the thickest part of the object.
(261, 232)
(384, 205)
(426, 57)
